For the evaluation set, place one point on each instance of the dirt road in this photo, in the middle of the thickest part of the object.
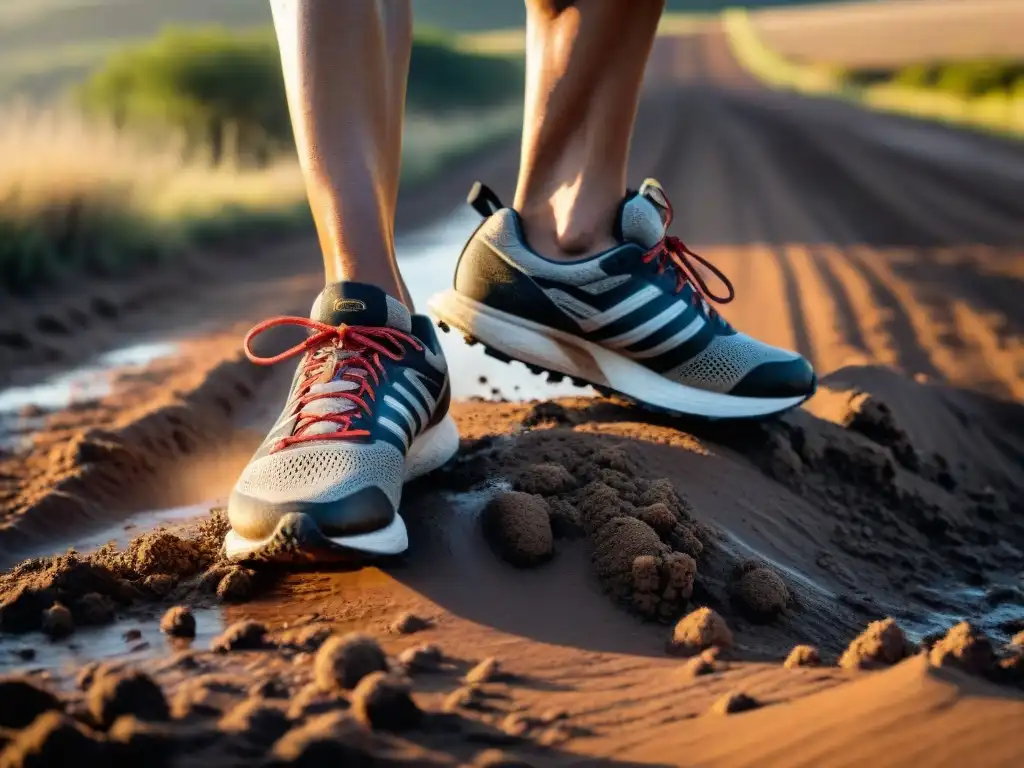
(887, 251)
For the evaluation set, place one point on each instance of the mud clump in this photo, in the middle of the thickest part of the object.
(544, 480)
(965, 648)
(179, 621)
(256, 719)
(97, 586)
(421, 658)
(547, 414)
(52, 739)
(333, 738)
(164, 553)
(802, 656)
(487, 671)
(700, 630)
(241, 636)
(618, 544)
(408, 623)
(874, 419)
(881, 644)
(126, 693)
(343, 661)
(518, 526)
(758, 591)
(22, 701)
(236, 585)
(735, 702)
(382, 701)
(93, 609)
(58, 621)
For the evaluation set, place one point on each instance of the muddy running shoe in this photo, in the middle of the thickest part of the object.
(635, 320)
(367, 411)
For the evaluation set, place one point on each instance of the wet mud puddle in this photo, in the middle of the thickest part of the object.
(23, 408)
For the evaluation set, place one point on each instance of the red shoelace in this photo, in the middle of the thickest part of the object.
(671, 251)
(365, 346)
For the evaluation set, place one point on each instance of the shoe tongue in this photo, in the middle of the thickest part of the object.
(645, 215)
(360, 304)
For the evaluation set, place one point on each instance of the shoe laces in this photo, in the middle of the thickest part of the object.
(344, 362)
(672, 253)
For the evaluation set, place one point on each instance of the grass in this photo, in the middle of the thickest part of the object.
(954, 98)
(76, 197)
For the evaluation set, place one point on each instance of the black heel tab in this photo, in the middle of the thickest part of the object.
(483, 199)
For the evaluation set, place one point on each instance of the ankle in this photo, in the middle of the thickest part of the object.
(573, 230)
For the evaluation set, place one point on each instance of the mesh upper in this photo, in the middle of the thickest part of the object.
(723, 363)
(324, 472)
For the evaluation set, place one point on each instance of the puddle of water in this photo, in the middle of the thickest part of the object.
(22, 409)
(63, 658)
(968, 604)
(428, 259)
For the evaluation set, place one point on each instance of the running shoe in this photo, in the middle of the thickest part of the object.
(635, 320)
(367, 412)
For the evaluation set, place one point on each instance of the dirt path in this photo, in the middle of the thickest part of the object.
(888, 251)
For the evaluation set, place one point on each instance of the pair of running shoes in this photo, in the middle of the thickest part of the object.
(368, 407)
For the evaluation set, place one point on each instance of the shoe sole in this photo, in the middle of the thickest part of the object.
(298, 539)
(542, 349)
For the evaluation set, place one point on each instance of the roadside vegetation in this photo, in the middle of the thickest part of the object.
(185, 142)
(985, 95)
(966, 79)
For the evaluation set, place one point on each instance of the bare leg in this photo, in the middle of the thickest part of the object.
(345, 67)
(585, 64)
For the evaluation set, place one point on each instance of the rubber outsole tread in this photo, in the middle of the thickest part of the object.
(555, 377)
(298, 540)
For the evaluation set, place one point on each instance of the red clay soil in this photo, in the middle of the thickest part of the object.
(589, 583)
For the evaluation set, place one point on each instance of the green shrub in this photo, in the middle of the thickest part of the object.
(967, 79)
(445, 79)
(223, 90)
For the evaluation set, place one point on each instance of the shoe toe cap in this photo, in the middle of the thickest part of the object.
(784, 378)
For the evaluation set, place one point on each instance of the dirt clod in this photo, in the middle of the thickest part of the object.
(126, 693)
(236, 585)
(966, 648)
(343, 661)
(734, 702)
(544, 480)
(93, 608)
(258, 720)
(759, 592)
(486, 671)
(162, 552)
(407, 623)
(518, 525)
(802, 656)
(52, 739)
(382, 701)
(421, 658)
(22, 701)
(882, 643)
(698, 630)
(57, 621)
(178, 621)
(241, 636)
